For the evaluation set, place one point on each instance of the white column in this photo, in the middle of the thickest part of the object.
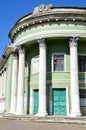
(42, 78)
(14, 83)
(5, 79)
(31, 101)
(74, 77)
(21, 76)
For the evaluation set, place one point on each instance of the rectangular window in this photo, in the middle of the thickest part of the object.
(82, 93)
(58, 62)
(82, 63)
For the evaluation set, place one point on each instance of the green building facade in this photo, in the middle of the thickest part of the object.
(45, 64)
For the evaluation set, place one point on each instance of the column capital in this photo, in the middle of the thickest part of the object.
(73, 41)
(22, 49)
(42, 42)
(14, 55)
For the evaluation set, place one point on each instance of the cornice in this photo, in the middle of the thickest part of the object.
(49, 14)
(8, 50)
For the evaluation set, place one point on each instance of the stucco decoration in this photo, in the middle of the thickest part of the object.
(42, 8)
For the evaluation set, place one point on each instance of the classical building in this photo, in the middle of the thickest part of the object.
(43, 70)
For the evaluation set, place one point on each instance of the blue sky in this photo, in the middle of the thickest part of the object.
(12, 10)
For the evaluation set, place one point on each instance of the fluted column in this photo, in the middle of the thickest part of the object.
(42, 78)
(14, 83)
(20, 93)
(74, 77)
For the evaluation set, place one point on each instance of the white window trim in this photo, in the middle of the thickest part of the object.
(64, 61)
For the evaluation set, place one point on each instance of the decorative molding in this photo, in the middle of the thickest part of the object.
(52, 81)
(47, 34)
(42, 8)
(53, 13)
(58, 81)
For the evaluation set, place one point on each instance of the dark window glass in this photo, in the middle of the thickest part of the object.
(82, 93)
(82, 63)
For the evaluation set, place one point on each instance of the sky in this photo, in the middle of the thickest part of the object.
(12, 10)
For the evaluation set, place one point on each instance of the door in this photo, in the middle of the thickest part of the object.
(59, 101)
(36, 101)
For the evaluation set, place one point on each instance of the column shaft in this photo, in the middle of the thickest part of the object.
(21, 76)
(4, 89)
(74, 78)
(42, 78)
(14, 84)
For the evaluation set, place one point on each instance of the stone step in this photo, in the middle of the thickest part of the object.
(64, 119)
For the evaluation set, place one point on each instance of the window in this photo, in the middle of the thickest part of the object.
(58, 62)
(82, 93)
(82, 63)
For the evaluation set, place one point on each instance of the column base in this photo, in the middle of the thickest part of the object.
(77, 114)
(41, 114)
(12, 112)
(20, 113)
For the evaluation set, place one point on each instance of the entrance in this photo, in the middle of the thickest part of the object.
(36, 101)
(59, 101)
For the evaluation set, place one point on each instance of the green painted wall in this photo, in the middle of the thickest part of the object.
(54, 79)
(57, 46)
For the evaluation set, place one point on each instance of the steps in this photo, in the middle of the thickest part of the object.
(58, 119)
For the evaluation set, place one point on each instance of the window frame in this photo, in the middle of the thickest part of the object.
(83, 94)
(58, 54)
(82, 97)
(78, 62)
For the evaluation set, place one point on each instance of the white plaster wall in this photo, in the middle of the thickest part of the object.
(2, 106)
